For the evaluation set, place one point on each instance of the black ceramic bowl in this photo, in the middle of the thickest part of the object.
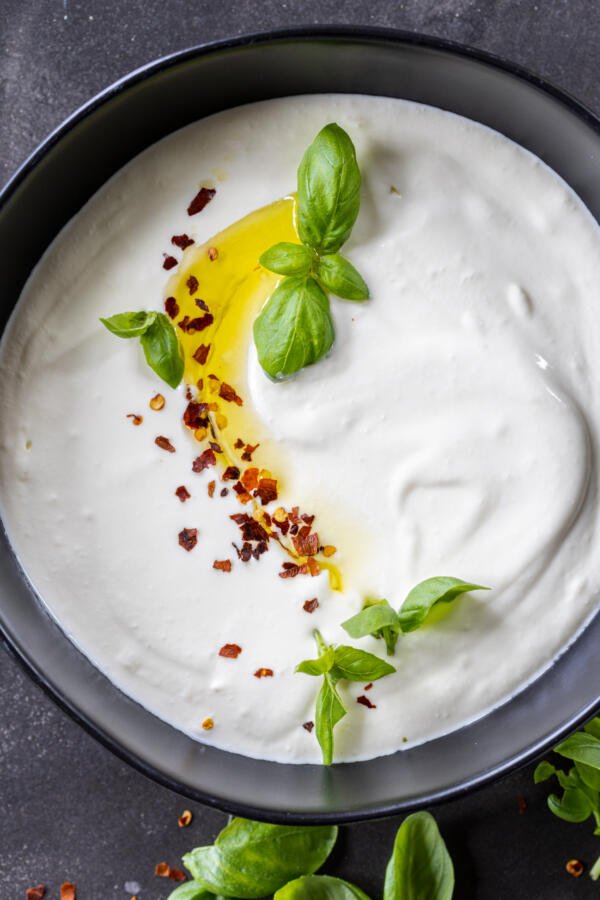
(53, 185)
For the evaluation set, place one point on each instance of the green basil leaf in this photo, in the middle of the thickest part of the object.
(566, 779)
(294, 329)
(574, 806)
(589, 776)
(543, 772)
(317, 666)
(130, 324)
(357, 665)
(593, 727)
(595, 870)
(190, 890)
(320, 887)
(420, 867)
(253, 859)
(288, 259)
(581, 747)
(371, 619)
(340, 277)
(329, 711)
(162, 351)
(421, 600)
(328, 190)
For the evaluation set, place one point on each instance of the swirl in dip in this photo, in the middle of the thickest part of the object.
(453, 429)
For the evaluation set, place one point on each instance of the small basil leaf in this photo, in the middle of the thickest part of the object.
(370, 619)
(566, 779)
(421, 600)
(581, 747)
(252, 859)
(320, 887)
(595, 870)
(329, 711)
(288, 259)
(357, 665)
(328, 190)
(420, 867)
(162, 351)
(130, 324)
(317, 666)
(190, 890)
(543, 772)
(574, 806)
(593, 727)
(340, 277)
(294, 329)
(589, 776)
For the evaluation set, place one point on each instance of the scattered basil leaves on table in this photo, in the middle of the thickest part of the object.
(294, 328)
(158, 339)
(253, 859)
(335, 664)
(580, 784)
(420, 867)
(320, 887)
(378, 619)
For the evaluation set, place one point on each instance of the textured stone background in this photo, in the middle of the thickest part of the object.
(69, 809)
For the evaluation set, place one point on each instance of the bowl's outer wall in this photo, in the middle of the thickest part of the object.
(54, 185)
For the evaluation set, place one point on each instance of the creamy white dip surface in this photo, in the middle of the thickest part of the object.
(453, 430)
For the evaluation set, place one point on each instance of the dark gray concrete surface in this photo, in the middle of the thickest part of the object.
(68, 808)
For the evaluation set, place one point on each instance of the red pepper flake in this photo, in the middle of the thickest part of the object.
(164, 870)
(203, 197)
(231, 473)
(307, 519)
(226, 392)
(183, 323)
(183, 493)
(223, 492)
(365, 702)
(230, 651)
(250, 478)
(306, 544)
(309, 606)
(201, 354)
(248, 451)
(575, 868)
(200, 323)
(192, 284)
(313, 566)
(206, 459)
(171, 307)
(239, 444)
(201, 304)
(135, 418)
(36, 893)
(263, 673)
(267, 491)
(67, 891)
(522, 802)
(169, 262)
(188, 538)
(290, 570)
(223, 565)
(368, 686)
(164, 443)
(182, 241)
(214, 446)
(308, 726)
(294, 516)
(211, 488)
(243, 495)
(194, 415)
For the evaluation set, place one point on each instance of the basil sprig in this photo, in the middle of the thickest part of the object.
(158, 339)
(378, 619)
(251, 859)
(295, 328)
(580, 784)
(420, 867)
(254, 859)
(335, 664)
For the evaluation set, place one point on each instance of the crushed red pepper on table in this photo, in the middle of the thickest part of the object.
(575, 868)
(68, 891)
(36, 893)
(164, 870)
(188, 538)
(185, 818)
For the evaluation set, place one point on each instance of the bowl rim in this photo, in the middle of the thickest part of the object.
(341, 33)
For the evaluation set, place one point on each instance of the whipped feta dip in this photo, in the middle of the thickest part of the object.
(453, 430)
